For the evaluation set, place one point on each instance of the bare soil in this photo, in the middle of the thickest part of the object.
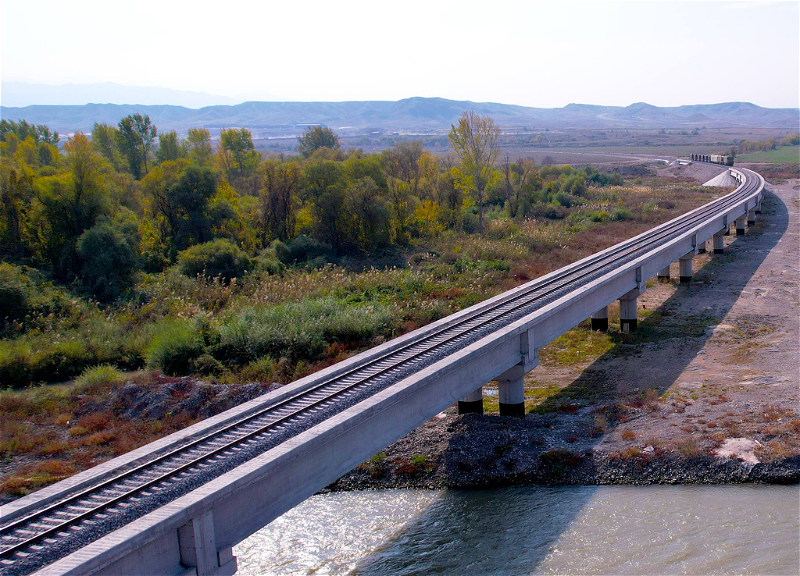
(706, 391)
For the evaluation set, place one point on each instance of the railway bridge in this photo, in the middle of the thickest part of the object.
(178, 505)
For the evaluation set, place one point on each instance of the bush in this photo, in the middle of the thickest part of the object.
(17, 293)
(175, 347)
(298, 331)
(98, 378)
(108, 262)
(302, 249)
(212, 259)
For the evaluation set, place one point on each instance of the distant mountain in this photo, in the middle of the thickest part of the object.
(411, 115)
(24, 94)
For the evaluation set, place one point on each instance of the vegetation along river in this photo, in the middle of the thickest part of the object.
(745, 529)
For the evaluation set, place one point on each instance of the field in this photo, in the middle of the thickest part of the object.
(788, 154)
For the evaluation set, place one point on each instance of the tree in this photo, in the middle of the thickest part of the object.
(169, 147)
(314, 138)
(199, 143)
(188, 202)
(324, 189)
(474, 141)
(135, 139)
(72, 203)
(104, 140)
(108, 259)
(239, 158)
(280, 181)
(22, 130)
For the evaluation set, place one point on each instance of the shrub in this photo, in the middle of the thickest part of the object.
(17, 292)
(298, 331)
(302, 249)
(108, 262)
(98, 378)
(175, 347)
(212, 259)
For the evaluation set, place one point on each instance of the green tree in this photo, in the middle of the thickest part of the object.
(280, 182)
(188, 202)
(474, 141)
(314, 138)
(104, 140)
(199, 143)
(22, 130)
(108, 259)
(169, 147)
(239, 159)
(72, 203)
(135, 138)
(324, 189)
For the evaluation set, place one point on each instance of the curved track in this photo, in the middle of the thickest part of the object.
(59, 528)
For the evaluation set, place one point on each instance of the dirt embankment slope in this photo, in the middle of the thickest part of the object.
(706, 391)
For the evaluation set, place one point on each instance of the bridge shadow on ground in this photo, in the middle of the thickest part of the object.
(512, 530)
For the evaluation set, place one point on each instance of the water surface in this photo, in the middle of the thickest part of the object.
(522, 531)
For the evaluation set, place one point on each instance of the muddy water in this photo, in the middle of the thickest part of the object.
(521, 531)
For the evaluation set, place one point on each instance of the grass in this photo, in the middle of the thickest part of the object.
(786, 154)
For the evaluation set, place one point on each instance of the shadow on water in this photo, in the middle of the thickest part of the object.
(511, 530)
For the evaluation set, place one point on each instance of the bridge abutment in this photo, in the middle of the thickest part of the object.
(600, 320)
(472, 403)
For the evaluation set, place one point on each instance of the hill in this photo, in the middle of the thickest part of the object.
(410, 115)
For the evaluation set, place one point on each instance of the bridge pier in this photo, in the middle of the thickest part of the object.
(685, 265)
(198, 549)
(472, 403)
(512, 392)
(663, 274)
(758, 207)
(627, 311)
(751, 217)
(740, 226)
(701, 249)
(600, 320)
(719, 243)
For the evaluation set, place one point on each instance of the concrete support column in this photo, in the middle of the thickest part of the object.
(627, 313)
(472, 403)
(701, 249)
(758, 207)
(512, 392)
(685, 265)
(719, 243)
(751, 217)
(740, 226)
(600, 320)
(663, 274)
(198, 549)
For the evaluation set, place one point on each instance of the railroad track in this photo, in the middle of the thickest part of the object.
(57, 529)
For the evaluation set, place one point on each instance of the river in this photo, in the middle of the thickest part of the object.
(607, 530)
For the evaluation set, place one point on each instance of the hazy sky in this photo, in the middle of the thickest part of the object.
(533, 53)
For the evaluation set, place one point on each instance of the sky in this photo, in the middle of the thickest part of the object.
(543, 54)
